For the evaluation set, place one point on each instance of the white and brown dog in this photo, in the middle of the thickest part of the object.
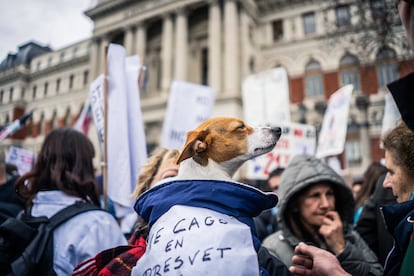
(219, 146)
(201, 223)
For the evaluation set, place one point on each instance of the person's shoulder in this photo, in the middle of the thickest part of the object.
(274, 240)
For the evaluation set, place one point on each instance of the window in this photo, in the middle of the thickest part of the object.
(67, 119)
(49, 61)
(22, 93)
(343, 17)
(387, 70)
(75, 50)
(71, 77)
(377, 9)
(313, 79)
(352, 152)
(34, 91)
(309, 25)
(1, 96)
(54, 120)
(45, 90)
(62, 57)
(204, 66)
(57, 85)
(277, 27)
(85, 77)
(11, 94)
(38, 64)
(42, 124)
(348, 71)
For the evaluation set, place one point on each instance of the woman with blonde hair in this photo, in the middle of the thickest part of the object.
(120, 260)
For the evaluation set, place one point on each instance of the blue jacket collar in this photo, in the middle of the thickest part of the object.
(231, 198)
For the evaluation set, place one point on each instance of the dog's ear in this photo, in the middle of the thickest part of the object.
(195, 144)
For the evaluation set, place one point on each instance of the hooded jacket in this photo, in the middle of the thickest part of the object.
(302, 172)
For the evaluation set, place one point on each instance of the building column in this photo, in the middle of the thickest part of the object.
(181, 45)
(140, 41)
(214, 45)
(94, 58)
(231, 51)
(166, 55)
(102, 55)
(129, 40)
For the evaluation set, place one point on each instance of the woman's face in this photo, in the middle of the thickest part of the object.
(397, 179)
(315, 203)
(168, 168)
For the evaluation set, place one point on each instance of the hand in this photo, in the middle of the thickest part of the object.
(333, 232)
(310, 260)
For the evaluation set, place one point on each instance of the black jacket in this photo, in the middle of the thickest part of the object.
(371, 224)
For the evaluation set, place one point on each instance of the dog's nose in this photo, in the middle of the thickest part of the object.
(278, 130)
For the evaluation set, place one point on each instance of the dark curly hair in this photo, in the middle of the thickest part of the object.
(400, 143)
(64, 163)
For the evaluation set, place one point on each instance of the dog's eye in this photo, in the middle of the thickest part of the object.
(241, 127)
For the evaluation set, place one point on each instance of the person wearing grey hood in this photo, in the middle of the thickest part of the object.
(316, 207)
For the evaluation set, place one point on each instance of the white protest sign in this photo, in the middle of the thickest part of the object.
(391, 114)
(266, 97)
(295, 139)
(188, 105)
(198, 241)
(335, 123)
(23, 159)
(96, 102)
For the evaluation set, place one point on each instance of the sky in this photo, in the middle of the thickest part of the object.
(53, 23)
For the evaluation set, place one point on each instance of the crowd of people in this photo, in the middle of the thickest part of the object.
(320, 226)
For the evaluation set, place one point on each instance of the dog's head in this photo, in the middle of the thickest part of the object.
(227, 141)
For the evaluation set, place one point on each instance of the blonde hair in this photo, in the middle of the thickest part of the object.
(149, 170)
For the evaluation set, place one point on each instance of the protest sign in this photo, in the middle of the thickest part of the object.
(174, 245)
(335, 123)
(295, 139)
(266, 97)
(188, 105)
(23, 159)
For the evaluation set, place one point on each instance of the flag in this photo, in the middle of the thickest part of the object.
(84, 120)
(15, 126)
(126, 143)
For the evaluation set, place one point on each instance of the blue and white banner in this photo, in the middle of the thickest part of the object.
(96, 100)
(188, 105)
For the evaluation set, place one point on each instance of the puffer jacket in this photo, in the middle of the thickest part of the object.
(302, 172)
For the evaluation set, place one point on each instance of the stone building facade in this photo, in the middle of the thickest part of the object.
(218, 43)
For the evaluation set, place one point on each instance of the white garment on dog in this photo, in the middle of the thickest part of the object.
(198, 241)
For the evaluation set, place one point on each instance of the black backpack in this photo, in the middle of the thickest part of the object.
(26, 242)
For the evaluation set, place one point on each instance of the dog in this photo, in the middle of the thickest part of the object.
(219, 146)
(201, 222)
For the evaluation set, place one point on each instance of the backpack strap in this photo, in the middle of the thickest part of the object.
(71, 211)
(40, 244)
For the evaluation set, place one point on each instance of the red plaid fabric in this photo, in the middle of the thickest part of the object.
(114, 261)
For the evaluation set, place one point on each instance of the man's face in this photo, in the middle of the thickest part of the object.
(397, 179)
(405, 9)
